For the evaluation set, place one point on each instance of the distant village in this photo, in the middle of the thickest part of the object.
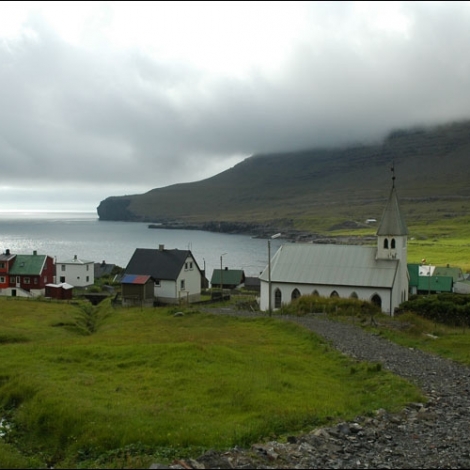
(379, 274)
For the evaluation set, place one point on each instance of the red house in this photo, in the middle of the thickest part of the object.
(29, 274)
(6, 261)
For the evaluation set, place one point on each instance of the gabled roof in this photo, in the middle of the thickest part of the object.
(346, 265)
(28, 264)
(160, 264)
(228, 276)
(392, 222)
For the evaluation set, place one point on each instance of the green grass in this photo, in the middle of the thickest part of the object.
(148, 386)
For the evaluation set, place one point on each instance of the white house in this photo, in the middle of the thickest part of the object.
(175, 273)
(374, 273)
(76, 272)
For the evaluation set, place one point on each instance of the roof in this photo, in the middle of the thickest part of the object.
(392, 222)
(75, 260)
(435, 283)
(229, 276)
(62, 285)
(103, 269)
(455, 273)
(28, 264)
(160, 264)
(346, 265)
(135, 279)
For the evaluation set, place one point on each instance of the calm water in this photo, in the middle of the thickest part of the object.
(63, 235)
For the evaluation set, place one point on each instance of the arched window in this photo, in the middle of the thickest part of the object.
(334, 294)
(315, 293)
(386, 243)
(295, 294)
(393, 244)
(277, 298)
(376, 300)
(353, 296)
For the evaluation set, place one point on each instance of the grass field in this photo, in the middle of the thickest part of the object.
(148, 386)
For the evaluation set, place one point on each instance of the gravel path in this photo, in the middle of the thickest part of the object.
(431, 435)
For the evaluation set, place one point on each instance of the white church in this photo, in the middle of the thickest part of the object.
(375, 273)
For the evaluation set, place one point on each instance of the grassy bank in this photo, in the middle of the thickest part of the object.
(147, 386)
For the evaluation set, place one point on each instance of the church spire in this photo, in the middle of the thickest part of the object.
(392, 222)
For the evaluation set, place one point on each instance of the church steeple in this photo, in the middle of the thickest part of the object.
(392, 223)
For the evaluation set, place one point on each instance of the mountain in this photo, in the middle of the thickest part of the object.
(318, 189)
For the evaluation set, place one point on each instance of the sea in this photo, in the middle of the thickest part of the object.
(64, 235)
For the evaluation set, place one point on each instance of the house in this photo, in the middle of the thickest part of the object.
(29, 274)
(104, 269)
(76, 272)
(252, 284)
(227, 278)
(427, 279)
(6, 262)
(175, 273)
(374, 273)
(61, 291)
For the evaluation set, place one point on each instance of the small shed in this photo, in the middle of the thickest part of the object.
(137, 290)
(62, 291)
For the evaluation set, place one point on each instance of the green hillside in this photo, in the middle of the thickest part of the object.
(320, 189)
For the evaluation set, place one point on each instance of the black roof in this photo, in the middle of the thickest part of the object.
(160, 264)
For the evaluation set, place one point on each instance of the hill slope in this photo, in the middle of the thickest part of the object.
(320, 188)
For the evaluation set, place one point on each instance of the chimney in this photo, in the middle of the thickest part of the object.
(7, 252)
(161, 247)
(75, 258)
(35, 252)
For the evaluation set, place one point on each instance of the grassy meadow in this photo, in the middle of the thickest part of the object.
(147, 386)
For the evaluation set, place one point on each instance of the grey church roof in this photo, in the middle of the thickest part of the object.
(340, 265)
(392, 222)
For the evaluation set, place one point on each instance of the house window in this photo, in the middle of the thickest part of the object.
(62, 267)
(87, 268)
(185, 265)
(88, 279)
(191, 265)
(182, 284)
(26, 280)
(2, 265)
(157, 283)
(2, 279)
(62, 278)
(277, 298)
(35, 280)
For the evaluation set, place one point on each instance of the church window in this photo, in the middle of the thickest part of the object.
(393, 244)
(353, 296)
(334, 294)
(376, 300)
(295, 294)
(277, 298)
(386, 243)
(315, 293)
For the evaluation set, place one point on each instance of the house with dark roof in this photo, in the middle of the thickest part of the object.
(29, 274)
(175, 274)
(227, 278)
(374, 273)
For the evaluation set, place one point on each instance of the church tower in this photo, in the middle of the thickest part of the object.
(392, 236)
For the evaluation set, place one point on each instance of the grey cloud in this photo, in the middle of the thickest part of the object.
(121, 119)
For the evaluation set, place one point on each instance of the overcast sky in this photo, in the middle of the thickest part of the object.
(112, 98)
